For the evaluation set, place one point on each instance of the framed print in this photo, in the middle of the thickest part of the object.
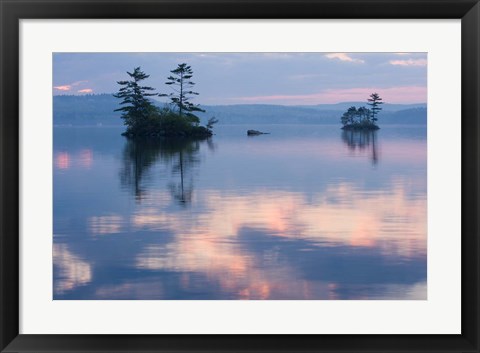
(237, 176)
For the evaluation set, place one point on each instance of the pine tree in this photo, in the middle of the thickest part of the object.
(375, 101)
(136, 107)
(348, 117)
(181, 84)
(364, 114)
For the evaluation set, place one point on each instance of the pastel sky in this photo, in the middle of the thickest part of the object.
(255, 78)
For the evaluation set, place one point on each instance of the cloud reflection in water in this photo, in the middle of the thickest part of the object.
(340, 232)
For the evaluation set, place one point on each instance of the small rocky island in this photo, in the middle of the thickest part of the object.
(144, 119)
(363, 118)
(256, 132)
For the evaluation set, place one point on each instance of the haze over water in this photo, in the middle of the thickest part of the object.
(307, 212)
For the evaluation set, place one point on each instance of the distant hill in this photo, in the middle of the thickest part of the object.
(86, 110)
(386, 107)
(99, 109)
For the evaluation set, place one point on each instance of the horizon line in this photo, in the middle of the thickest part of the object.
(284, 105)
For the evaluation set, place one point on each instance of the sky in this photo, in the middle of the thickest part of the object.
(254, 78)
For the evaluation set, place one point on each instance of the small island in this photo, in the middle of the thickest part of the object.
(177, 119)
(363, 118)
(256, 133)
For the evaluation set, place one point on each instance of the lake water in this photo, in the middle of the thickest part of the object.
(306, 212)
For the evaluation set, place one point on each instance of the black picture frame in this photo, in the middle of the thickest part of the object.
(14, 10)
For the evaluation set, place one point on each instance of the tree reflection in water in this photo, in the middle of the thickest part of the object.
(175, 156)
(363, 141)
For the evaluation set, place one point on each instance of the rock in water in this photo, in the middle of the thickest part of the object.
(255, 132)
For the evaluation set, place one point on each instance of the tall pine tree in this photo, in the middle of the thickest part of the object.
(374, 102)
(181, 85)
(136, 107)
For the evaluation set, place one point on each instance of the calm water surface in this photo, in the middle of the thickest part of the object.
(307, 212)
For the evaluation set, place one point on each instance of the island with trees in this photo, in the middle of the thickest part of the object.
(177, 119)
(363, 118)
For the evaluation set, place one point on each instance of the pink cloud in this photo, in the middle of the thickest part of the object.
(85, 90)
(344, 57)
(409, 62)
(63, 88)
(402, 94)
(71, 85)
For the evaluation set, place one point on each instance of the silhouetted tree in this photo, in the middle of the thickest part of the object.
(375, 101)
(363, 115)
(356, 116)
(136, 107)
(349, 116)
(362, 118)
(144, 119)
(181, 84)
